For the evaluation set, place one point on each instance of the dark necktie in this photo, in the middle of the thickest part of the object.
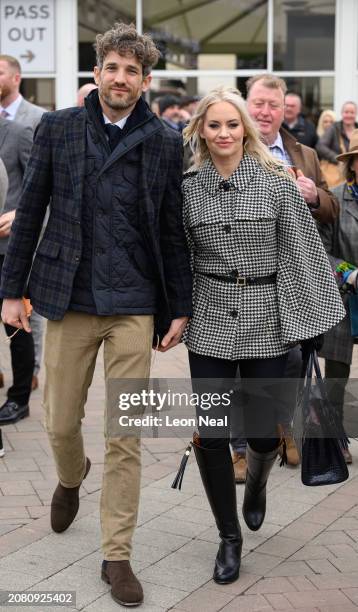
(114, 134)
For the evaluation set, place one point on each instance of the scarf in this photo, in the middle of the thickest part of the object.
(353, 189)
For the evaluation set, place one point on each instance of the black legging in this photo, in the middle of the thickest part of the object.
(202, 366)
(22, 361)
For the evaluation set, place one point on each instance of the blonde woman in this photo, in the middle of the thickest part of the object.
(262, 284)
(325, 121)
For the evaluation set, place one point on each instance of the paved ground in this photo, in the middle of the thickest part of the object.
(305, 556)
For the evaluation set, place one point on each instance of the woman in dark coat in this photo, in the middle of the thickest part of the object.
(262, 283)
(335, 140)
(341, 242)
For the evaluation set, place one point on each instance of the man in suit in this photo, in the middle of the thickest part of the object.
(266, 106)
(14, 107)
(15, 146)
(113, 258)
(296, 124)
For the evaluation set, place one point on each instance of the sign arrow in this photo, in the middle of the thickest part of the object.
(28, 55)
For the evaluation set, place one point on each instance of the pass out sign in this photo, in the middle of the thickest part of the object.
(27, 32)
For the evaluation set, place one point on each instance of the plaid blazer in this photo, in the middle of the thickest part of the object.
(55, 173)
(341, 243)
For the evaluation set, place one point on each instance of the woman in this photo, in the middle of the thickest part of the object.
(336, 139)
(325, 121)
(341, 242)
(262, 284)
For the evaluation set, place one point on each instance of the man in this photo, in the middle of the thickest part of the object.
(15, 147)
(113, 256)
(189, 104)
(14, 107)
(169, 111)
(303, 130)
(266, 103)
(83, 93)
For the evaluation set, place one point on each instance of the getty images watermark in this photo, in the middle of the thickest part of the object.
(158, 401)
(166, 408)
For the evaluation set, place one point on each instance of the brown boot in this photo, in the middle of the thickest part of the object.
(240, 467)
(126, 588)
(65, 504)
(293, 457)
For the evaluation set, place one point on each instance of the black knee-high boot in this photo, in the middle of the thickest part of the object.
(217, 474)
(259, 466)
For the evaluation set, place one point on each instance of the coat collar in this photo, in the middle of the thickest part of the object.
(349, 203)
(75, 139)
(289, 142)
(212, 181)
(75, 143)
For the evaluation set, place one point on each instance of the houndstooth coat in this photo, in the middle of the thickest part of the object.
(256, 223)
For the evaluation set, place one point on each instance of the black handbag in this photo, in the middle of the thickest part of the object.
(323, 433)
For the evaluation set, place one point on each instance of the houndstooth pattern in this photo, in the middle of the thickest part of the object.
(255, 224)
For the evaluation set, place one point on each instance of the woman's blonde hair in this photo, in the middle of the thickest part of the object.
(326, 113)
(252, 143)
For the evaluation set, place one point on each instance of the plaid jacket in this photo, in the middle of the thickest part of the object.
(55, 173)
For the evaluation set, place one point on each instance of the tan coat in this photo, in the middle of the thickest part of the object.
(305, 159)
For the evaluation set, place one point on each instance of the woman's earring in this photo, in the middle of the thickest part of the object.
(245, 143)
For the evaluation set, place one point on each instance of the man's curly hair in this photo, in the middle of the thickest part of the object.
(125, 40)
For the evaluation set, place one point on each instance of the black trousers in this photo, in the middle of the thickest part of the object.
(337, 375)
(22, 361)
(287, 405)
(260, 417)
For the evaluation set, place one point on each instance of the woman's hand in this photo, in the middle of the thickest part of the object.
(173, 335)
(6, 222)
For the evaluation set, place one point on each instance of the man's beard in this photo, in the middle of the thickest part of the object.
(120, 104)
(4, 92)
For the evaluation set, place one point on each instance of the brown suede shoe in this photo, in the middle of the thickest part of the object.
(240, 467)
(126, 588)
(65, 504)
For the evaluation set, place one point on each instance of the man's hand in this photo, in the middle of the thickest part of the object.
(6, 222)
(14, 313)
(173, 335)
(307, 188)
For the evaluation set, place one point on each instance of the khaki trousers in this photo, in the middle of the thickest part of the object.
(71, 348)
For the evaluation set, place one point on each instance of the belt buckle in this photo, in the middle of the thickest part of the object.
(241, 281)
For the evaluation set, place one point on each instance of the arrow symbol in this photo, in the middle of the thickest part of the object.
(28, 55)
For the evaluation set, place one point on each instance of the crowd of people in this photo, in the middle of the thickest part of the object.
(245, 258)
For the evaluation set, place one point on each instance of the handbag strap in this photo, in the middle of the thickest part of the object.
(307, 385)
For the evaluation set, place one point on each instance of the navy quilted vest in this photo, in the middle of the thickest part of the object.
(115, 275)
